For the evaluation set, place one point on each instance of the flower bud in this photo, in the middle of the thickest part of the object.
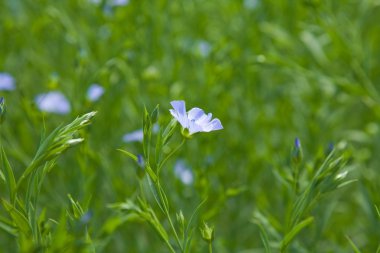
(2, 109)
(141, 166)
(207, 233)
(181, 218)
(297, 154)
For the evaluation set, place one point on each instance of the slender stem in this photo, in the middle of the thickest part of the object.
(170, 246)
(174, 231)
(296, 179)
(167, 158)
(167, 214)
(210, 247)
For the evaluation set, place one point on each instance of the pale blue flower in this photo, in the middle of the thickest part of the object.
(135, 136)
(251, 4)
(183, 173)
(204, 48)
(138, 135)
(7, 82)
(54, 102)
(119, 2)
(194, 120)
(94, 92)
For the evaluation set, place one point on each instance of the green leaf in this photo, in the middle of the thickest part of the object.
(7, 226)
(153, 189)
(377, 211)
(18, 218)
(294, 231)
(264, 237)
(154, 114)
(9, 176)
(159, 145)
(147, 130)
(188, 232)
(76, 207)
(134, 158)
(169, 131)
(353, 246)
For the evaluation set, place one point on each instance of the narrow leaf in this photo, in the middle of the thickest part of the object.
(18, 218)
(353, 246)
(6, 225)
(9, 176)
(295, 230)
(128, 154)
(264, 237)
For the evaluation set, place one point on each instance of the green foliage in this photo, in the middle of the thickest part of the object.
(271, 71)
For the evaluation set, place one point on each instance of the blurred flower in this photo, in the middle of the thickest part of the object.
(86, 217)
(195, 120)
(95, 1)
(7, 82)
(138, 135)
(119, 2)
(94, 92)
(251, 4)
(151, 73)
(204, 48)
(183, 173)
(54, 102)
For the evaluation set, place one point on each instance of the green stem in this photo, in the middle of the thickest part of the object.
(210, 247)
(296, 179)
(174, 230)
(167, 158)
(142, 189)
(170, 246)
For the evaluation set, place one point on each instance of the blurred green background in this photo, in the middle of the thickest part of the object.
(269, 70)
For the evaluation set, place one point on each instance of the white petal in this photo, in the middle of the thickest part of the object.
(215, 124)
(194, 127)
(204, 120)
(195, 113)
(179, 112)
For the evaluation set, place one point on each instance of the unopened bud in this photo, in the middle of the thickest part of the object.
(180, 218)
(141, 166)
(2, 109)
(297, 154)
(207, 233)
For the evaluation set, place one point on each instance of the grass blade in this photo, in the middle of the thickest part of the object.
(9, 176)
(294, 231)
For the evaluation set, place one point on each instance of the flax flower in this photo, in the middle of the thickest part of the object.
(195, 120)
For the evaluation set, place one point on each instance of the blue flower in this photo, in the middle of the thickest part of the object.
(54, 102)
(251, 4)
(94, 92)
(183, 173)
(194, 120)
(119, 2)
(138, 135)
(7, 82)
